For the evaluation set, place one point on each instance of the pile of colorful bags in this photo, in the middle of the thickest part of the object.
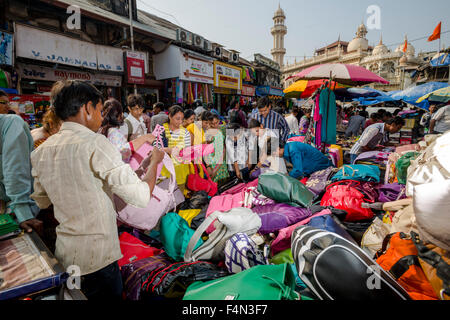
(342, 233)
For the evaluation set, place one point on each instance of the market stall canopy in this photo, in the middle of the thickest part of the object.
(409, 95)
(440, 60)
(441, 95)
(305, 88)
(354, 93)
(343, 73)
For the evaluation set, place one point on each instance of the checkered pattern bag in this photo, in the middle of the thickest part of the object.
(241, 253)
(252, 197)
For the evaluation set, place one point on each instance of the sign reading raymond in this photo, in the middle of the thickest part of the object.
(50, 74)
(135, 67)
(227, 76)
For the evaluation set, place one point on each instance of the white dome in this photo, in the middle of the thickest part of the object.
(410, 51)
(380, 49)
(279, 13)
(357, 43)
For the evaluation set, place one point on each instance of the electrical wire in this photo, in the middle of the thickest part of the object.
(168, 14)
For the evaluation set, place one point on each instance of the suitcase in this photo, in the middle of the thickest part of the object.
(336, 269)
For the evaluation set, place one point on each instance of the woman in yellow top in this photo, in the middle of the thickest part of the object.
(178, 138)
(198, 133)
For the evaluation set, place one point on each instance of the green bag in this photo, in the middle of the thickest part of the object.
(175, 235)
(283, 257)
(262, 282)
(7, 224)
(285, 189)
(403, 164)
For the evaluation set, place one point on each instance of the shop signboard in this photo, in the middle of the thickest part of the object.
(135, 67)
(35, 44)
(50, 74)
(6, 48)
(196, 70)
(227, 76)
(248, 90)
(268, 90)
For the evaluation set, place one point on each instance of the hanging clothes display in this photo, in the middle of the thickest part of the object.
(318, 122)
(327, 106)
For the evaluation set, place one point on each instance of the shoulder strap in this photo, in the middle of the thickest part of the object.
(130, 129)
(197, 234)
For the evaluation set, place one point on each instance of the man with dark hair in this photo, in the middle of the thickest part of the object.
(374, 135)
(236, 115)
(78, 171)
(355, 124)
(271, 120)
(440, 121)
(4, 102)
(134, 125)
(159, 115)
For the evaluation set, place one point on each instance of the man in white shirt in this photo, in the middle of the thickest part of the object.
(78, 171)
(292, 121)
(440, 121)
(134, 125)
(374, 135)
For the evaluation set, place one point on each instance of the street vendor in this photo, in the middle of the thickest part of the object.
(375, 135)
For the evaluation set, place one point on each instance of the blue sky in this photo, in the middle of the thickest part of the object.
(244, 25)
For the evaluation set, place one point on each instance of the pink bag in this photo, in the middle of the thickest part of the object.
(161, 201)
(283, 239)
(193, 153)
(297, 139)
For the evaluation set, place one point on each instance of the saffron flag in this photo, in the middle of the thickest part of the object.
(436, 33)
(405, 47)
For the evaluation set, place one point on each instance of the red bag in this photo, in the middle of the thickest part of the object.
(197, 183)
(134, 249)
(343, 195)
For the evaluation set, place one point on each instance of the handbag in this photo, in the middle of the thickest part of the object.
(237, 220)
(241, 253)
(403, 164)
(172, 280)
(196, 183)
(263, 282)
(391, 192)
(175, 236)
(318, 181)
(399, 256)
(227, 184)
(320, 257)
(343, 195)
(433, 165)
(133, 249)
(332, 224)
(279, 215)
(360, 172)
(161, 202)
(283, 188)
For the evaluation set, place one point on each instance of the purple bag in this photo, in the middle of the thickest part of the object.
(318, 181)
(369, 189)
(279, 215)
(133, 273)
(391, 192)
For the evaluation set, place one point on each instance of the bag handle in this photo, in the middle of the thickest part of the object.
(286, 292)
(436, 261)
(198, 233)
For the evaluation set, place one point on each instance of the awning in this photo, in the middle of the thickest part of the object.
(269, 91)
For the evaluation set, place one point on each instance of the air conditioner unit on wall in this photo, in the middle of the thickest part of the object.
(207, 45)
(197, 41)
(184, 36)
(217, 52)
(234, 57)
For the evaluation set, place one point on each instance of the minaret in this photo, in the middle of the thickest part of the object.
(279, 30)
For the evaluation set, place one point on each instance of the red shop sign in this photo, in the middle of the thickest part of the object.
(135, 67)
(248, 90)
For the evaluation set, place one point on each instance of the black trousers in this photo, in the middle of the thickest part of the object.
(104, 284)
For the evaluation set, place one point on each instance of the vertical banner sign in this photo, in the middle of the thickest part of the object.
(135, 67)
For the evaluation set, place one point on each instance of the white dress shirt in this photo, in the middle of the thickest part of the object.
(78, 171)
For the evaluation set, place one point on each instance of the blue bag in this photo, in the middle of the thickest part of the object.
(331, 224)
(359, 172)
